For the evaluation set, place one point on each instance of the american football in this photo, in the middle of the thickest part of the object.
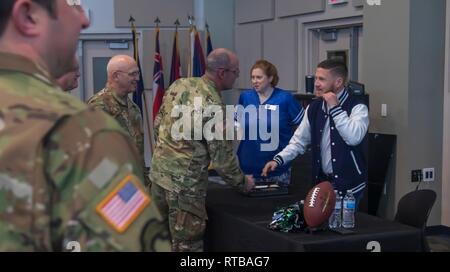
(319, 204)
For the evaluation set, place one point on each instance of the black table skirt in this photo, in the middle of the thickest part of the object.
(239, 223)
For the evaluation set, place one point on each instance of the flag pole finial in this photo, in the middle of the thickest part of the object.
(191, 20)
(157, 21)
(131, 21)
(177, 24)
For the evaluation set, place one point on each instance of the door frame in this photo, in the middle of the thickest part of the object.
(97, 37)
(350, 48)
(445, 206)
(308, 38)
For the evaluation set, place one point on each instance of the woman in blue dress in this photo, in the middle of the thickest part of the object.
(270, 104)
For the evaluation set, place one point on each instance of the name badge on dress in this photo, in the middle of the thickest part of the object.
(270, 107)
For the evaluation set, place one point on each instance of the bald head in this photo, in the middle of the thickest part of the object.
(219, 58)
(123, 74)
(120, 63)
(222, 67)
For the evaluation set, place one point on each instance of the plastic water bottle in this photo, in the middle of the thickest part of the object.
(348, 214)
(338, 211)
(335, 218)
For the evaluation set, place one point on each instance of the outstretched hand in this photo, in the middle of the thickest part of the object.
(269, 167)
(249, 183)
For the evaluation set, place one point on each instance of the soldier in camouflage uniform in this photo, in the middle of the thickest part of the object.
(179, 171)
(123, 77)
(70, 179)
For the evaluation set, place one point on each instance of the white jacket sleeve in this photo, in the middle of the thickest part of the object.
(298, 143)
(352, 128)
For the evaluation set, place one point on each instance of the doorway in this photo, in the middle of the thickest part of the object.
(341, 43)
(96, 55)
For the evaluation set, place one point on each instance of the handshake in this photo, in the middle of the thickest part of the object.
(250, 180)
(269, 167)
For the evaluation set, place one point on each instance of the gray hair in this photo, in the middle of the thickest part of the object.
(218, 58)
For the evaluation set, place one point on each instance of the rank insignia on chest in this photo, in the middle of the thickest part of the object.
(123, 204)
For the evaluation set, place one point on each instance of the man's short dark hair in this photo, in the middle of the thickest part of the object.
(7, 5)
(337, 68)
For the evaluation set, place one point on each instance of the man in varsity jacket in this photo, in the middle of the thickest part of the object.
(335, 127)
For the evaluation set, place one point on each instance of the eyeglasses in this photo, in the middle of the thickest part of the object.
(73, 2)
(234, 71)
(131, 74)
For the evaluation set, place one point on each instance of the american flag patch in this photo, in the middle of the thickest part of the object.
(124, 204)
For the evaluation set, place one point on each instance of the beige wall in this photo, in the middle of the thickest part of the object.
(281, 38)
(145, 12)
(446, 124)
(403, 68)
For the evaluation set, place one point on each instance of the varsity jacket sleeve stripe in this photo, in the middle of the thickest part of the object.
(298, 143)
(352, 128)
(299, 117)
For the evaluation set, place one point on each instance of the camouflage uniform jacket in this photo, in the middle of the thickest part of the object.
(60, 162)
(126, 112)
(181, 165)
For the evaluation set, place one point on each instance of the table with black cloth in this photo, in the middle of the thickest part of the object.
(239, 223)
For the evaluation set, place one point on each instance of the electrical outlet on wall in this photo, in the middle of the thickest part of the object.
(428, 174)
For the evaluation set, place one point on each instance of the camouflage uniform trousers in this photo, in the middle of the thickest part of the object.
(187, 218)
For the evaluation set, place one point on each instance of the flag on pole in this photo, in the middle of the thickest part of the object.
(158, 77)
(197, 65)
(175, 72)
(209, 47)
(137, 95)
